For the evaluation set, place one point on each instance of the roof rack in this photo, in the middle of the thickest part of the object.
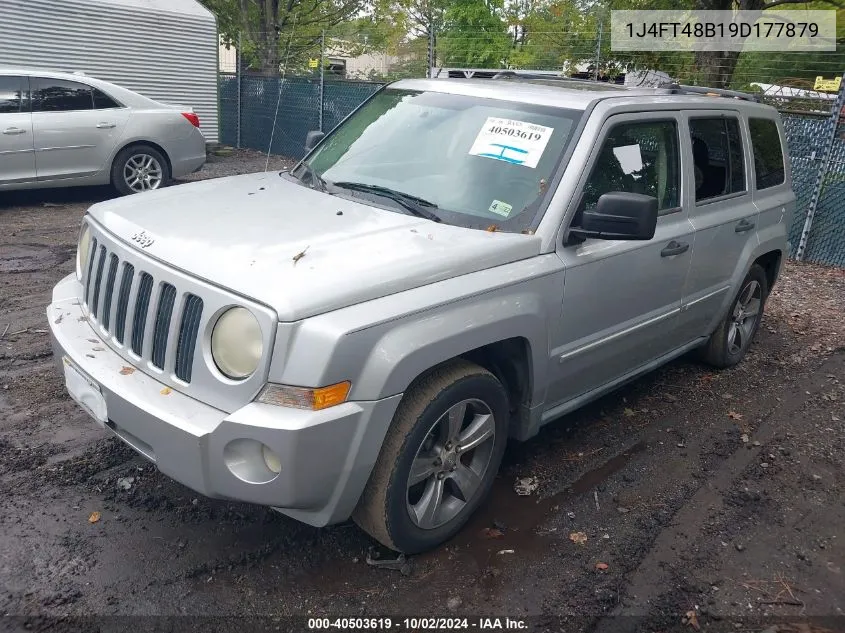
(512, 74)
(555, 76)
(676, 88)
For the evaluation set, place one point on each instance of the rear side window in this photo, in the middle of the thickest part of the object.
(768, 155)
(717, 157)
(103, 102)
(58, 95)
(637, 158)
(11, 94)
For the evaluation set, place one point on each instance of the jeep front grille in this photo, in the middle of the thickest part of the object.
(128, 308)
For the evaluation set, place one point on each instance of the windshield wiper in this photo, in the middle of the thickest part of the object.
(315, 181)
(419, 207)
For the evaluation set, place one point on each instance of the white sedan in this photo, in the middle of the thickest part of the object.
(61, 130)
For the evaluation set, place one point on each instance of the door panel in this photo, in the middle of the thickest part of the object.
(17, 155)
(621, 299)
(620, 310)
(722, 212)
(773, 195)
(72, 139)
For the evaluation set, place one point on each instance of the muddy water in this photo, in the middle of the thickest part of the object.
(519, 518)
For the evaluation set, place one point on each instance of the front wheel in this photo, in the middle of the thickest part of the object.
(439, 459)
(139, 168)
(732, 338)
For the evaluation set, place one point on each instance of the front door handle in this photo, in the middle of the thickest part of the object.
(14, 130)
(674, 248)
(105, 126)
(743, 226)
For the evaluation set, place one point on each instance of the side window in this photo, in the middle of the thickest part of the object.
(768, 156)
(58, 95)
(11, 94)
(103, 102)
(717, 157)
(637, 158)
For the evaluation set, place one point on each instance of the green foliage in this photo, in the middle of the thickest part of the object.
(474, 35)
(563, 35)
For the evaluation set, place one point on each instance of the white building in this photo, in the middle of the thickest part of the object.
(165, 49)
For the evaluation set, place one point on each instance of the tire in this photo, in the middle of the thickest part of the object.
(401, 516)
(143, 160)
(722, 349)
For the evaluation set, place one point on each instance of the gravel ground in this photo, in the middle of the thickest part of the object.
(689, 499)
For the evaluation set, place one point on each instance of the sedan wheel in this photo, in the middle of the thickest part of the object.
(143, 172)
(139, 168)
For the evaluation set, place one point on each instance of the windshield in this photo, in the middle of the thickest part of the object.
(473, 162)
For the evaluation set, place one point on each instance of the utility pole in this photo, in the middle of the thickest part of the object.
(322, 78)
(239, 60)
(598, 52)
(432, 57)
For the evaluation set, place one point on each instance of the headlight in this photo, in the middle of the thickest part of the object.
(236, 344)
(82, 250)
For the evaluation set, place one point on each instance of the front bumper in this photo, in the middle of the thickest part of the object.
(326, 456)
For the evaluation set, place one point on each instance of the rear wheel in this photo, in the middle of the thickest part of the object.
(439, 459)
(139, 168)
(732, 338)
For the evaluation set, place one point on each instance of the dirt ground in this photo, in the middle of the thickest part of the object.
(689, 499)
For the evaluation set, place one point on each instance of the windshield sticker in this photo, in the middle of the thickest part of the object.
(500, 208)
(515, 142)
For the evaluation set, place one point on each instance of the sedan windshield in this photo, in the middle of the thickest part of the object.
(464, 160)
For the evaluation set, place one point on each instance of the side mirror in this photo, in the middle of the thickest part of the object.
(312, 138)
(620, 216)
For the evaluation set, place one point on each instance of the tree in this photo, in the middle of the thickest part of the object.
(274, 31)
(475, 35)
(414, 20)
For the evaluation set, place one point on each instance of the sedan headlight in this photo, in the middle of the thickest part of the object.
(83, 250)
(236, 343)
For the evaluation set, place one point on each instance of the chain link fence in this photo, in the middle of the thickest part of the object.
(815, 133)
(248, 110)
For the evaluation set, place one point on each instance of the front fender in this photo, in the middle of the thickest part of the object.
(382, 345)
(411, 347)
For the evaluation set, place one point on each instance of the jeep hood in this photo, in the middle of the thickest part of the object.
(297, 250)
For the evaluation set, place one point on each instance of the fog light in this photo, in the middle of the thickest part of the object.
(251, 461)
(271, 460)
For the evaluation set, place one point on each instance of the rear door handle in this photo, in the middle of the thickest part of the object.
(105, 126)
(674, 248)
(14, 130)
(743, 226)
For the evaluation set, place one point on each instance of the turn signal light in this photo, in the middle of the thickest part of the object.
(304, 398)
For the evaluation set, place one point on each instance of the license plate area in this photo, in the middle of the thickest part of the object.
(85, 392)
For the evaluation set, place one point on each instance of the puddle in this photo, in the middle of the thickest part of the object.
(520, 517)
(29, 258)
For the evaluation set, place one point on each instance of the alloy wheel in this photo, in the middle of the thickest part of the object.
(142, 172)
(450, 464)
(744, 317)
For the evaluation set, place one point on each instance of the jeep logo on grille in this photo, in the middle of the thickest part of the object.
(143, 239)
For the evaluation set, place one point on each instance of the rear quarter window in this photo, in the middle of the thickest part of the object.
(768, 155)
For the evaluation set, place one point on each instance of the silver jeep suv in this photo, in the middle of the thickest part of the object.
(457, 263)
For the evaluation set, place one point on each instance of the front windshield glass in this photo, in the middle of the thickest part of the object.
(473, 161)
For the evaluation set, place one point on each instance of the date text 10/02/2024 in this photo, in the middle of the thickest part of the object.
(417, 624)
